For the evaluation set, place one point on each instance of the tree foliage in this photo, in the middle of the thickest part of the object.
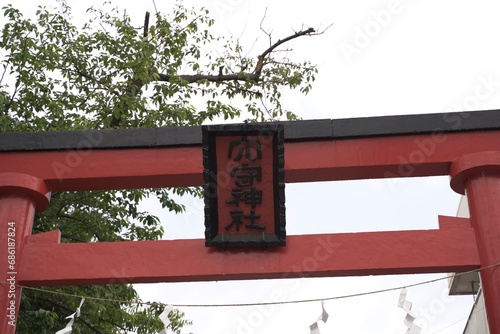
(110, 74)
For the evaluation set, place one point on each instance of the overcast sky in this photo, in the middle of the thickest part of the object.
(379, 58)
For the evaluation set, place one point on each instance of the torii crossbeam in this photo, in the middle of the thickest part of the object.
(465, 146)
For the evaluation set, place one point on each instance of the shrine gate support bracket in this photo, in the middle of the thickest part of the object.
(465, 146)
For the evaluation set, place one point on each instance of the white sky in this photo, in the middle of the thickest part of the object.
(379, 58)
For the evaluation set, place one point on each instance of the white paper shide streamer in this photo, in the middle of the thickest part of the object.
(323, 317)
(69, 326)
(410, 317)
(164, 318)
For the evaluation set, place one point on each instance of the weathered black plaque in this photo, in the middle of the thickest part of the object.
(244, 185)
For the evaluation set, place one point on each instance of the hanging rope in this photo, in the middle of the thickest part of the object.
(138, 302)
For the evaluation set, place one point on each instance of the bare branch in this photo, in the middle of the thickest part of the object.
(321, 32)
(156, 9)
(260, 63)
(244, 76)
(268, 33)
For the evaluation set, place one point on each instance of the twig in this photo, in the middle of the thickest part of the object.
(154, 4)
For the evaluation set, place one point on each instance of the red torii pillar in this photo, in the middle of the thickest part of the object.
(478, 176)
(21, 196)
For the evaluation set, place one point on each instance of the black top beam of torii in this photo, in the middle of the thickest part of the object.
(305, 130)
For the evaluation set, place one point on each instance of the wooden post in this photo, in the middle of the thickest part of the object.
(21, 196)
(478, 176)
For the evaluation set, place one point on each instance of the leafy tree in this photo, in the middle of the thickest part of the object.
(108, 74)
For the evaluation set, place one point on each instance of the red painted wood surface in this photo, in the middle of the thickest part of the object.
(479, 174)
(45, 262)
(449, 249)
(20, 196)
(351, 159)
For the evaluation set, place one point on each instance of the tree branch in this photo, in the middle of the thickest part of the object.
(260, 62)
(5, 66)
(192, 78)
(243, 76)
(91, 78)
(254, 76)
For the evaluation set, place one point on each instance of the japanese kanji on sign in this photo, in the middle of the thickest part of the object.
(244, 185)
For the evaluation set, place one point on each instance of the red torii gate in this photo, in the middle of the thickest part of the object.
(463, 145)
